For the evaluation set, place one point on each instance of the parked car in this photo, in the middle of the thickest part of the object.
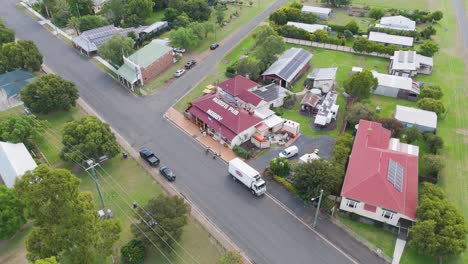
(149, 156)
(167, 173)
(190, 64)
(289, 152)
(179, 50)
(179, 73)
(214, 46)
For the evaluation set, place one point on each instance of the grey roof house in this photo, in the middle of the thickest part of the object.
(272, 94)
(321, 12)
(311, 28)
(323, 78)
(289, 67)
(408, 64)
(11, 84)
(387, 39)
(424, 121)
(397, 22)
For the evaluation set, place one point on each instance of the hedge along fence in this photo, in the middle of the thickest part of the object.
(285, 183)
(406, 33)
(320, 36)
(334, 47)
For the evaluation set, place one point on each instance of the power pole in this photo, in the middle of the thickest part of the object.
(318, 209)
(92, 171)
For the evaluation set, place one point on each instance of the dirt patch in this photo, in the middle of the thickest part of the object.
(462, 131)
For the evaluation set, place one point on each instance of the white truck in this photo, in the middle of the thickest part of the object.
(251, 178)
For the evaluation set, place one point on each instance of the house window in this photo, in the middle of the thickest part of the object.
(387, 214)
(352, 204)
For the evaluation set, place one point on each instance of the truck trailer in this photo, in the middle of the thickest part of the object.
(251, 178)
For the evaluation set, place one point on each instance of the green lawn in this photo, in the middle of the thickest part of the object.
(402, 4)
(342, 18)
(160, 80)
(11, 112)
(382, 239)
(387, 104)
(155, 16)
(196, 92)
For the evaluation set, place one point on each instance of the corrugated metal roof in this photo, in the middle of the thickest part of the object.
(156, 26)
(390, 39)
(416, 116)
(311, 28)
(316, 10)
(149, 54)
(320, 74)
(12, 82)
(397, 22)
(393, 81)
(15, 160)
(289, 64)
(128, 73)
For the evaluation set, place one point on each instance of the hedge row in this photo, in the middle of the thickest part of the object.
(320, 36)
(406, 33)
(362, 44)
(241, 152)
(285, 183)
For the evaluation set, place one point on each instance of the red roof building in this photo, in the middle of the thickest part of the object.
(381, 181)
(213, 114)
(237, 85)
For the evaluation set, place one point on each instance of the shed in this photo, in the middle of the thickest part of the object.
(323, 78)
(396, 86)
(15, 161)
(424, 121)
(387, 39)
(311, 28)
(397, 22)
(309, 102)
(321, 12)
(289, 67)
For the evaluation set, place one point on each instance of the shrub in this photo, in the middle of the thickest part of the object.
(412, 134)
(430, 104)
(285, 183)
(241, 152)
(231, 257)
(279, 111)
(354, 216)
(430, 91)
(280, 166)
(406, 33)
(376, 13)
(133, 252)
(433, 141)
(432, 165)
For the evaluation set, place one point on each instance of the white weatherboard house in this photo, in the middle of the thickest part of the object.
(320, 12)
(397, 22)
(424, 121)
(15, 160)
(311, 28)
(388, 39)
(408, 63)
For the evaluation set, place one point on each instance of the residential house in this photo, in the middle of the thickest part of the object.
(15, 161)
(89, 41)
(289, 67)
(424, 121)
(381, 181)
(327, 110)
(145, 64)
(11, 84)
(311, 28)
(408, 63)
(387, 39)
(323, 79)
(397, 22)
(321, 12)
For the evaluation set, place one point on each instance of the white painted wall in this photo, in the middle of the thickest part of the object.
(377, 215)
(243, 136)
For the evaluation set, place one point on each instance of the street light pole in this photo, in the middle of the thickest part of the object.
(92, 165)
(318, 209)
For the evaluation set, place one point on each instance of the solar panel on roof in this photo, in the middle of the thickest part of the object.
(395, 174)
(410, 56)
(292, 66)
(401, 57)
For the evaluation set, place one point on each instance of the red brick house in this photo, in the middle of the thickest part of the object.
(145, 64)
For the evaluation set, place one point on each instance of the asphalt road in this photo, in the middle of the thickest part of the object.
(462, 21)
(260, 227)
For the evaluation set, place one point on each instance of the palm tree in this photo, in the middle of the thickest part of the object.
(74, 22)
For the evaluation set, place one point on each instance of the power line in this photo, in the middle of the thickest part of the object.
(81, 155)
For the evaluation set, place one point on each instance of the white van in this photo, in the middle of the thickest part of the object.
(289, 152)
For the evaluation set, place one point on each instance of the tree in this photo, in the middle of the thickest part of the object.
(115, 48)
(60, 12)
(248, 67)
(428, 32)
(360, 44)
(279, 17)
(133, 252)
(170, 14)
(181, 21)
(262, 33)
(376, 13)
(348, 34)
(197, 10)
(90, 22)
(428, 48)
(231, 257)
(395, 126)
(23, 128)
(432, 165)
(433, 105)
(360, 84)
(81, 7)
(49, 93)
(88, 138)
(22, 54)
(114, 11)
(11, 213)
(337, 3)
(434, 142)
(430, 91)
(412, 134)
(220, 16)
(140, 8)
(352, 26)
(280, 167)
(360, 111)
(267, 51)
(51, 260)
(311, 177)
(74, 22)
(6, 34)
(440, 230)
(295, 4)
(170, 215)
(437, 15)
(184, 38)
(64, 220)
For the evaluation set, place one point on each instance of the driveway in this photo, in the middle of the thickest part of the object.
(262, 228)
(305, 145)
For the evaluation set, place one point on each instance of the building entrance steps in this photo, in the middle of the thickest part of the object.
(193, 130)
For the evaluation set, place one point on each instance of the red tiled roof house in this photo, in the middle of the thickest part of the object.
(381, 181)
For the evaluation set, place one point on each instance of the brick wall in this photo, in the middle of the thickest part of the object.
(157, 67)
